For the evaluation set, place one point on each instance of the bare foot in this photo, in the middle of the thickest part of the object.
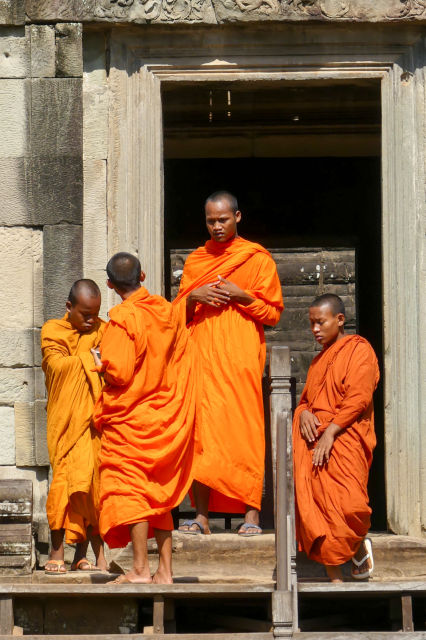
(334, 573)
(132, 578)
(162, 577)
(55, 567)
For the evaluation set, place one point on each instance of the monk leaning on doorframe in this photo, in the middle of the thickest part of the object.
(72, 390)
(230, 288)
(146, 416)
(333, 435)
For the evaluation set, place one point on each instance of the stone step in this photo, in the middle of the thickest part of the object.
(228, 556)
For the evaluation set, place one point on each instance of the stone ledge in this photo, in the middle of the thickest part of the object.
(220, 11)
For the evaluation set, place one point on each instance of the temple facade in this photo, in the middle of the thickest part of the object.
(117, 114)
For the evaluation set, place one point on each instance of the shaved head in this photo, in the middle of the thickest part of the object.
(217, 196)
(124, 271)
(330, 299)
(87, 288)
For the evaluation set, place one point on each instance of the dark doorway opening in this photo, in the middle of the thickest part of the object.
(304, 163)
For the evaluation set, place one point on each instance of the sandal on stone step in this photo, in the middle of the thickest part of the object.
(76, 566)
(242, 530)
(192, 532)
(55, 572)
(358, 563)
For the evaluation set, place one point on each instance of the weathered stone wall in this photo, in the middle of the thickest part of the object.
(304, 274)
(41, 196)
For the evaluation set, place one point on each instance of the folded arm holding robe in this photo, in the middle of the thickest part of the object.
(73, 388)
(146, 416)
(229, 359)
(332, 510)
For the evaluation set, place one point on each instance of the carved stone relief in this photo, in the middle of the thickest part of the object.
(220, 11)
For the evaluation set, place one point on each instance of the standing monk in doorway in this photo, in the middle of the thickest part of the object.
(146, 415)
(333, 435)
(231, 288)
(72, 390)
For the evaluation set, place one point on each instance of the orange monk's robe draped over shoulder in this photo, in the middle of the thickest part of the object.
(73, 388)
(230, 356)
(332, 510)
(146, 416)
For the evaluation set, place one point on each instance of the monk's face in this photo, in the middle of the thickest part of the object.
(221, 221)
(325, 325)
(84, 313)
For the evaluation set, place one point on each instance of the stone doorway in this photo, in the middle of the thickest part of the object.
(304, 161)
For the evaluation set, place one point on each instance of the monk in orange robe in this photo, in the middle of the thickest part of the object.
(333, 435)
(73, 388)
(230, 288)
(146, 415)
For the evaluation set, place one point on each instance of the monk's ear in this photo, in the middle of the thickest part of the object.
(110, 285)
(68, 305)
(340, 319)
(237, 216)
(143, 276)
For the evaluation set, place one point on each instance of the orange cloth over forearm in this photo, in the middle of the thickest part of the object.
(332, 510)
(230, 356)
(146, 416)
(73, 445)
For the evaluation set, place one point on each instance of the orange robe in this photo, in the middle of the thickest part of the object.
(146, 416)
(332, 510)
(230, 356)
(73, 388)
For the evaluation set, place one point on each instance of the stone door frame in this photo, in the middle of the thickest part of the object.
(139, 65)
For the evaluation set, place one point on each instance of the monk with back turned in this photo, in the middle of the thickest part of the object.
(72, 390)
(333, 435)
(146, 417)
(230, 288)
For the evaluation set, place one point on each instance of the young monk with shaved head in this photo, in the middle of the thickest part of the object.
(333, 434)
(73, 388)
(230, 288)
(146, 416)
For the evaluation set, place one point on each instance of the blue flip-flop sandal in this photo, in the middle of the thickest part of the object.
(189, 523)
(248, 525)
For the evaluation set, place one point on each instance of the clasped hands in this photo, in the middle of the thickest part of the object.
(308, 428)
(220, 293)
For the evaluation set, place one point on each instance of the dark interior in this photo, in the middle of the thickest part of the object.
(324, 200)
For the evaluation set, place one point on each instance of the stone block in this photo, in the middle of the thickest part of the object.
(14, 107)
(56, 117)
(40, 434)
(62, 248)
(40, 486)
(14, 53)
(20, 251)
(43, 51)
(36, 347)
(55, 189)
(12, 12)
(24, 434)
(16, 348)
(39, 385)
(7, 436)
(95, 253)
(16, 385)
(95, 98)
(69, 50)
(95, 122)
(13, 200)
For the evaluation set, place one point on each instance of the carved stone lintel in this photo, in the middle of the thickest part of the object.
(220, 11)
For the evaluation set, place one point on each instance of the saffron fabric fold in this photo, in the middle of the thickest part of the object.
(73, 444)
(230, 356)
(332, 506)
(146, 416)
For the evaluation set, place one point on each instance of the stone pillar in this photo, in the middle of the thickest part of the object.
(40, 225)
